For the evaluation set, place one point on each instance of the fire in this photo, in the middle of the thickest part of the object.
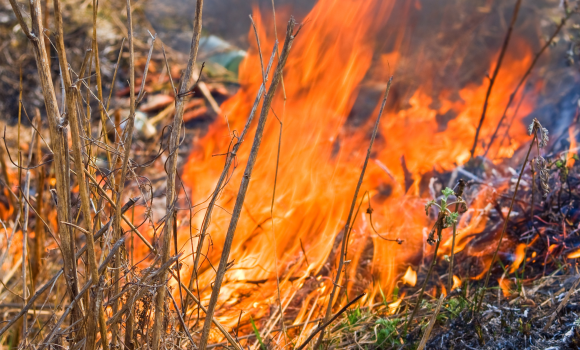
(395, 304)
(320, 160)
(410, 277)
(520, 255)
(573, 146)
(456, 282)
(506, 286)
(574, 255)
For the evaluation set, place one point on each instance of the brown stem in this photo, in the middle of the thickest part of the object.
(105, 196)
(100, 83)
(325, 324)
(244, 184)
(458, 194)
(126, 145)
(115, 74)
(432, 321)
(350, 214)
(214, 320)
(180, 318)
(75, 123)
(495, 73)
(24, 310)
(36, 38)
(129, 330)
(451, 259)
(505, 223)
(274, 233)
(4, 167)
(39, 234)
(526, 74)
(433, 262)
(171, 168)
(218, 188)
(52, 281)
(71, 306)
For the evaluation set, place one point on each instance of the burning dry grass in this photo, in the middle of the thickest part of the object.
(281, 255)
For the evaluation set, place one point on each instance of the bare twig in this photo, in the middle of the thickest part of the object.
(97, 61)
(245, 183)
(276, 36)
(180, 317)
(221, 328)
(326, 323)
(458, 194)
(52, 333)
(274, 231)
(171, 168)
(219, 186)
(73, 117)
(39, 233)
(525, 76)
(31, 301)
(126, 144)
(36, 38)
(350, 214)
(505, 223)
(506, 41)
(115, 73)
(431, 323)
(439, 228)
(114, 207)
(563, 303)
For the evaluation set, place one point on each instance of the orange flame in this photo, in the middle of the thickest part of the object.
(573, 146)
(574, 255)
(410, 277)
(456, 282)
(506, 286)
(520, 255)
(395, 305)
(321, 156)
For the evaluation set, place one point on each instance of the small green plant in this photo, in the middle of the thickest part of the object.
(257, 333)
(387, 333)
(354, 316)
(449, 217)
(453, 307)
(385, 302)
(445, 219)
(562, 165)
(396, 292)
(524, 327)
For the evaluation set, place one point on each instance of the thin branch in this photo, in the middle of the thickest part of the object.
(74, 119)
(495, 73)
(214, 320)
(57, 138)
(115, 73)
(325, 324)
(231, 156)
(171, 196)
(351, 211)
(432, 321)
(244, 184)
(505, 223)
(31, 301)
(525, 76)
(562, 304)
